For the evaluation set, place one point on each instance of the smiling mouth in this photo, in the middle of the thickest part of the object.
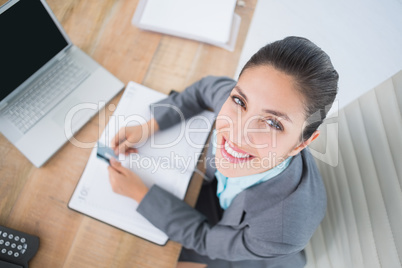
(234, 155)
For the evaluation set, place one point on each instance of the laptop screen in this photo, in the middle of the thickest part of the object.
(29, 39)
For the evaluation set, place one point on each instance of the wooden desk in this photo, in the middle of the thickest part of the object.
(35, 200)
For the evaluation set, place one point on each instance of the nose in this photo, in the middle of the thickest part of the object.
(243, 132)
(243, 129)
(252, 132)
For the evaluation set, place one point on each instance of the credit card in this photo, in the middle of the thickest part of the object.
(104, 152)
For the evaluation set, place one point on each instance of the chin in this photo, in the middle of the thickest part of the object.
(228, 170)
(228, 173)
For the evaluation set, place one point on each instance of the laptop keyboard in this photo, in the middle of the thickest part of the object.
(44, 94)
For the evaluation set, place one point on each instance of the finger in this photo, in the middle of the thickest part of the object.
(115, 140)
(131, 151)
(124, 146)
(112, 172)
(116, 165)
(112, 175)
(120, 136)
(120, 149)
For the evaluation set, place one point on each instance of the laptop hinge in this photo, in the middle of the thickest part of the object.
(62, 55)
(3, 105)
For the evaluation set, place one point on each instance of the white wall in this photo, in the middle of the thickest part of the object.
(363, 38)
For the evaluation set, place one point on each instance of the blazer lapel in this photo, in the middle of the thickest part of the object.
(257, 199)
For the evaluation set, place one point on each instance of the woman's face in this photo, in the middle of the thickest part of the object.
(260, 124)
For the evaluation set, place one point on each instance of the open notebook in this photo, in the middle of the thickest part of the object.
(168, 159)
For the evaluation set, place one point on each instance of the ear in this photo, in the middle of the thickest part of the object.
(304, 144)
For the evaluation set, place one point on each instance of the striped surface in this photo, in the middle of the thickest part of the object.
(361, 165)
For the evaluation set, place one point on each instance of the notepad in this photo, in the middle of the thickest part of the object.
(208, 21)
(167, 159)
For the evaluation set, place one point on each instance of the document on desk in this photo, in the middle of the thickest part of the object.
(167, 159)
(210, 21)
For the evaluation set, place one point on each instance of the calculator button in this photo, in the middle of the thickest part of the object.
(17, 238)
(3, 250)
(16, 254)
(23, 240)
(1, 241)
(5, 234)
(10, 252)
(7, 243)
(23, 251)
(10, 236)
(13, 245)
(25, 246)
(1, 232)
(19, 247)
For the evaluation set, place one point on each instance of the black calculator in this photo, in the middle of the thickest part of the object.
(16, 248)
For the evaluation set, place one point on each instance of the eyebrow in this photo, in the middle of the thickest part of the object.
(279, 114)
(276, 113)
(241, 92)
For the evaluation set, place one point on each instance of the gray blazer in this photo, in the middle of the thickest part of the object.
(267, 225)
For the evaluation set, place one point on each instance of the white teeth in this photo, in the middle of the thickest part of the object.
(233, 152)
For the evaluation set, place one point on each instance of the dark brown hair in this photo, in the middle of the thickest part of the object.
(315, 76)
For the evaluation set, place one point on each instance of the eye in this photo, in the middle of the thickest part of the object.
(238, 101)
(274, 124)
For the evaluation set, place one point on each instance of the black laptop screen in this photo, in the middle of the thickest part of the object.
(28, 39)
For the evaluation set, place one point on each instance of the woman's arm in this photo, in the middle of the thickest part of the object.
(208, 93)
(190, 228)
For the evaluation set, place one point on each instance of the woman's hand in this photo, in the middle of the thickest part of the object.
(126, 182)
(127, 137)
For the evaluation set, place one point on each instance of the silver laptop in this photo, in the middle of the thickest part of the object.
(49, 88)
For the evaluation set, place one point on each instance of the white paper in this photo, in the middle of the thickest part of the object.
(203, 19)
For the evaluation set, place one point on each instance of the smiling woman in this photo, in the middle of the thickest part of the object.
(267, 194)
(266, 119)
